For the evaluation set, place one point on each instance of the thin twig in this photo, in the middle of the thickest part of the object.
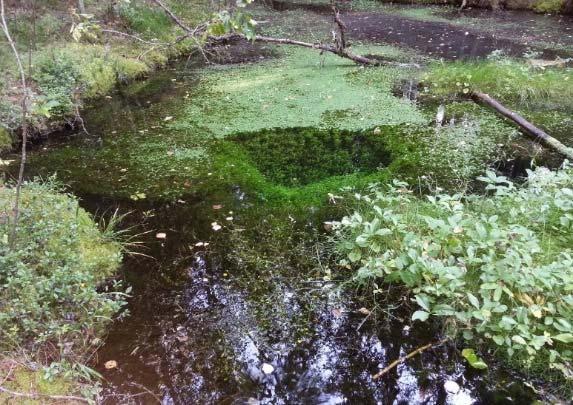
(35, 395)
(173, 16)
(125, 34)
(147, 391)
(408, 356)
(15, 209)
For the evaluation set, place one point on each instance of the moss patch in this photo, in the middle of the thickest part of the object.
(5, 140)
(27, 381)
(301, 156)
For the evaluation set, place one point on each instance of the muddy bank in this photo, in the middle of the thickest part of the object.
(436, 39)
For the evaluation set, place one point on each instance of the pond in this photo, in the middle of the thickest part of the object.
(236, 294)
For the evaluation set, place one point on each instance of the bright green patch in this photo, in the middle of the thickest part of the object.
(302, 156)
(508, 80)
(549, 6)
(303, 89)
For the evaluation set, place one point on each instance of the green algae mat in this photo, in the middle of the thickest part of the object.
(187, 132)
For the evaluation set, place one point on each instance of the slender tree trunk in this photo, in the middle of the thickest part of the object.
(568, 8)
(15, 209)
(81, 7)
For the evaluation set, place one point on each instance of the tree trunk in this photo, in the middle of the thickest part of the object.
(568, 8)
(530, 129)
(81, 7)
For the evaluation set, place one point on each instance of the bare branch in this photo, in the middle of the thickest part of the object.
(342, 52)
(535, 133)
(125, 34)
(408, 356)
(173, 16)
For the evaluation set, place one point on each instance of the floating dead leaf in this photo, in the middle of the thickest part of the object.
(215, 226)
(217, 206)
(161, 235)
(364, 311)
(168, 118)
(337, 312)
(377, 131)
(110, 364)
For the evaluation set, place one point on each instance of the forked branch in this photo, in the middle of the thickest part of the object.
(339, 48)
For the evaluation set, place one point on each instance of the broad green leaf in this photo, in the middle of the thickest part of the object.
(420, 316)
(564, 337)
(473, 360)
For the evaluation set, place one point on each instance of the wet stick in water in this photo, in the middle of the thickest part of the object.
(528, 127)
(420, 349)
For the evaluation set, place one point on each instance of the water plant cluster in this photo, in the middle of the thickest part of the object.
(496, 269)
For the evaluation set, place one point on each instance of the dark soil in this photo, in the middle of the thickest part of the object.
(241, 51)
(520, 26)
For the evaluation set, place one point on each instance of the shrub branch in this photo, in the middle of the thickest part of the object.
(24, 102)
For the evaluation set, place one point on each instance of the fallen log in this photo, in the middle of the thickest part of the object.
(530, 129)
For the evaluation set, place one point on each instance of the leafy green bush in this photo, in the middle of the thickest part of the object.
(500, 267)
(56, 76)
(548, 6)
(51, 277)
(5, 139)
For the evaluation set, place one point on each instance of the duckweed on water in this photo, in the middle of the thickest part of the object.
(167, 146)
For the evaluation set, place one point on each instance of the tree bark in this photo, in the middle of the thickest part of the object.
(568, 8)
(530, 129)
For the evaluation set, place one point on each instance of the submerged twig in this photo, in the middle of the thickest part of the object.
(419, 350)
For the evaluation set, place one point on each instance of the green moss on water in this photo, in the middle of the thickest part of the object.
(301, 89)
(166, 148)
(300, 156)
